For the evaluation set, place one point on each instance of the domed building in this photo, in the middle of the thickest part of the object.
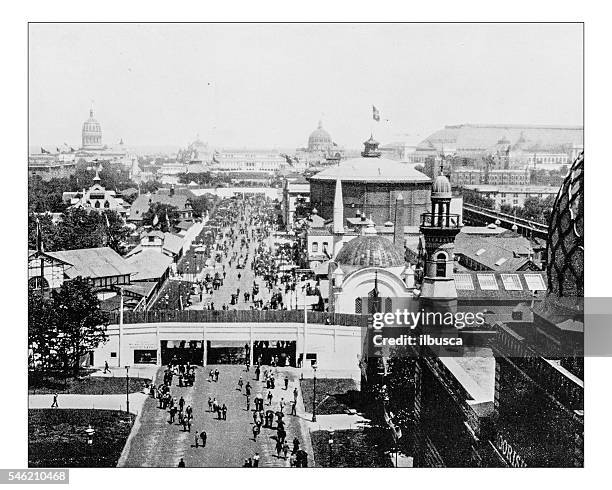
(371, 183)
(370, 274)
(320, 140)
(91, 135)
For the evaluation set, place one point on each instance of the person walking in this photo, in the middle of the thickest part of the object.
(256, 460)
(281, 405)
(286, 382)
(181, 463)
(285, 450)
(295, 394)
(255, 432)
(293, 408)
(248, 403)
(210, 404)
(279, 448)
(216, 375)
(224, 411)
(106, 369)
(203, 436)
(269, 396)
(55, 404)
(247, 389)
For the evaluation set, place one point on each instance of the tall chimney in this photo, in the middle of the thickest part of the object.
(398, 225)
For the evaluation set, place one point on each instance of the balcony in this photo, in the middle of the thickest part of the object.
(431, 220)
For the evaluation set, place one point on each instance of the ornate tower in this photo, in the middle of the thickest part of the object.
(439, 228)
(91, 134)
(338, 225)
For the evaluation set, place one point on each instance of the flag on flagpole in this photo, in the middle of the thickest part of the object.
(167, 219)
(107, 222)
(43, 151)
(375, 113)
(155, 220)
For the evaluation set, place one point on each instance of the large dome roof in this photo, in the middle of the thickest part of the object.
(92, 125)
(371, 251)
(319, 139)
(565, 247)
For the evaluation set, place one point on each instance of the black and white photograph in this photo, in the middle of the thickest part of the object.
(292, 244)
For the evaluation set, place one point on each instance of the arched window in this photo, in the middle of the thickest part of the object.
(34, 282)
(388, 305)
(441, 265)
(358, 306)
(97, 204)
(106, 204)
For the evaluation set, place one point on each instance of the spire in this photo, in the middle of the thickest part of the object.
(398, 226)
(338, 208)
(320, 126)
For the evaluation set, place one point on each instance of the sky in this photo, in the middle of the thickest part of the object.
(268, 85)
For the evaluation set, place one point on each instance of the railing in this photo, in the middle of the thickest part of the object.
(491, 213)
(238, 316)
(440, 220)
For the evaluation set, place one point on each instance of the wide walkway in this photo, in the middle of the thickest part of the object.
(157, 443)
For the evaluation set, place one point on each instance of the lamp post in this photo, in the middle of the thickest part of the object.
(314, 389)
(127, 389)
(330, 443)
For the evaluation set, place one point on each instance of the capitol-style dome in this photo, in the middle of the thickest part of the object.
(92, 132)
(371, 251)
(565, 247)
(319, 140)
(441, 187)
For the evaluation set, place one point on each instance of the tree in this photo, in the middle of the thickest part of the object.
(48, 230)
(200, 205)
(80, 229)
(161, 211)
(81, 324)
(116, 231)
(42, 332)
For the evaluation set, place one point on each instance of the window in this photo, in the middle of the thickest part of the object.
(535, 282)
(487, 282)
(441, 265)
(325, 245)
(113, 354)
(512, 282)
(358, 305)
(97, 204)
(388, 304)
(315, 247)
(35, 283)
(464, 282)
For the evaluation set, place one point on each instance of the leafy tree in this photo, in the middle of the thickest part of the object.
(42, 332)
(80, 229)
(80, 323)
(48, 230)
(161, 211)
(200, 205)
(477, 200)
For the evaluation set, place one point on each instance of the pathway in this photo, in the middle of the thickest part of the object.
(157, 443)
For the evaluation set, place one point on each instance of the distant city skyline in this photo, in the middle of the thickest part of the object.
(268, 85)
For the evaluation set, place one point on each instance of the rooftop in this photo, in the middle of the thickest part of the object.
(371, 170)
(93, 262)
(149, 265)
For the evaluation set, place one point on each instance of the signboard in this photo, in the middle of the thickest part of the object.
(508, 452)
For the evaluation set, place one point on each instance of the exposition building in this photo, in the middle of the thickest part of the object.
(370, 186)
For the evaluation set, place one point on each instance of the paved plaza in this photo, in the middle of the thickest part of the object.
(157, 443)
